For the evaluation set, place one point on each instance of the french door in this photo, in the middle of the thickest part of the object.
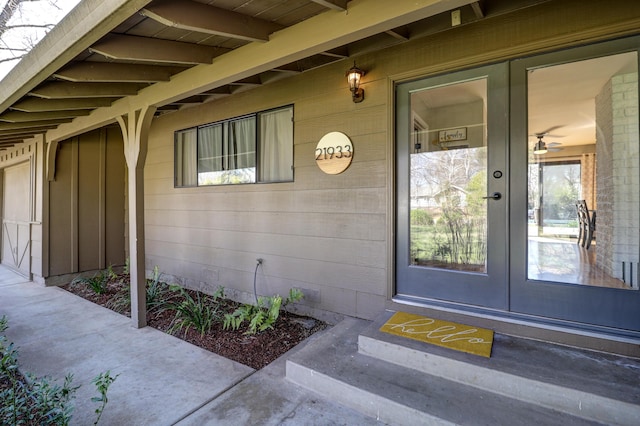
(518, 189)
(578, 112)
(452, 187)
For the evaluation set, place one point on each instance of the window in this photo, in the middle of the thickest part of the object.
(248, 149)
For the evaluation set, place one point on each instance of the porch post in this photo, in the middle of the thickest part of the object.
(135, 131)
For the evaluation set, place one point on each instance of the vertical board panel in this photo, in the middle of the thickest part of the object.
(115, 198)
(90, 192)
(60, 205)
(96, 179)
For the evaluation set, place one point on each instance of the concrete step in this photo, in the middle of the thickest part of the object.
(400, 381)
(587, 384)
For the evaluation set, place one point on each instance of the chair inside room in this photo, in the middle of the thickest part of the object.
(586, 223)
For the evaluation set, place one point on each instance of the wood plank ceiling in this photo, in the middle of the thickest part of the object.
(167, 37)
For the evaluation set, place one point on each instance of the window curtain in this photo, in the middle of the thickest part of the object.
(210, 149)
(588, 179)
(185, 151)
(276, 145)
(241, 142)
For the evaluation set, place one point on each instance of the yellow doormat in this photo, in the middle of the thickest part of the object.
(473, 340)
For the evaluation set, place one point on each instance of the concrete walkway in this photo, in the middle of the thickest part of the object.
(162, 379)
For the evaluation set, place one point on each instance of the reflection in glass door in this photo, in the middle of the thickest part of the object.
(554, 188)
(575, 193)
(448, 178)
(452, 174)
(583, 133)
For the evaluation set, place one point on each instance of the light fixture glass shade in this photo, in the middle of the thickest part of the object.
(354, 74)
(540, 148)
(353, 77)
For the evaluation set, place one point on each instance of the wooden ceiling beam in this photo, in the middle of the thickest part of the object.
(41, 105)
(341, 52)
(14, 139)
(400, 34)
(193, 16)
(65, 90)
(87, 23)
(29, 126)
(293, 68)
(111, 72)
(222, 90)
(21, 133)
(196, 99)
(340, 5)
(145, 49)
(26, 133)
(6, 139)
(478, 9)
(21, 117)
(318, 34)
(254, 80)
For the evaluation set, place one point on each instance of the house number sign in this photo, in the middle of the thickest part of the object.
(334, 153)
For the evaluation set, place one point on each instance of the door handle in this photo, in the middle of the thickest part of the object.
(495, 196)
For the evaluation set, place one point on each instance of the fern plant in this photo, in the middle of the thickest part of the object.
(262, 316)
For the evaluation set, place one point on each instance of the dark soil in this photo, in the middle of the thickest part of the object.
(254, 350)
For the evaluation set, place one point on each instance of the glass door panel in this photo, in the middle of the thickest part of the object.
(448, 178)
(582, 219)
(576, 242)
(451, 161)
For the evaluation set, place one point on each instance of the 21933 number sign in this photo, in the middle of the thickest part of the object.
(334, 153)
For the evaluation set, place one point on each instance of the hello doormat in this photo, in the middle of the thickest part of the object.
(473, 340)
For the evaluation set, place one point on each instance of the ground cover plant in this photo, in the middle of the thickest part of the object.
(262, 316)
(29, 400)
(253, 335)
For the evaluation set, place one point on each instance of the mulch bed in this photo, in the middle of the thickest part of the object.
(254, 350)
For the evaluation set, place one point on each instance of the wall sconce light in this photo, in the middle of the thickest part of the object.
(540, 147)
(353, 77)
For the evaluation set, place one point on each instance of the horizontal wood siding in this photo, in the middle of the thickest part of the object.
(62, 236)
(115, 213)
(321, 233)
(330, 234)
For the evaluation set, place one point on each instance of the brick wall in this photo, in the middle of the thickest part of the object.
(617, 176)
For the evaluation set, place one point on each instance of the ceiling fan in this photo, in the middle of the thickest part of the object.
(542, 147)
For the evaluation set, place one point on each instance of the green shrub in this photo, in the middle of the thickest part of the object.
(121, 301)
(261, 316)
(99, 281)
(421, 217)
(102, 382)
(199, 313)
(37, 401)
(158, 292)
(158, 295)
